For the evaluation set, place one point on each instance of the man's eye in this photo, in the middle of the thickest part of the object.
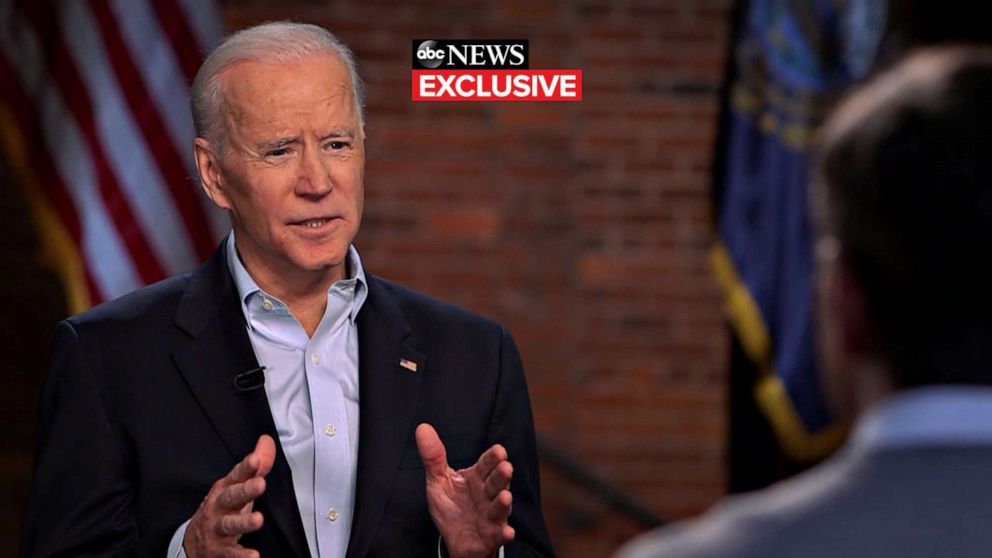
(278, 152)
(335, 145)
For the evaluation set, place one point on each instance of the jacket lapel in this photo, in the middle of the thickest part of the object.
(218, 350)
(389, 392)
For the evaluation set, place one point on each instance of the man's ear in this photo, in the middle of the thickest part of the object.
(860, 369)
(211, 177)
(851, 304)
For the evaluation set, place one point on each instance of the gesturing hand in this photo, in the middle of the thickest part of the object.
(470, 506)
(226, 513)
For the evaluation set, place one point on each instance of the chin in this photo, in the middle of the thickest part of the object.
(322, 260)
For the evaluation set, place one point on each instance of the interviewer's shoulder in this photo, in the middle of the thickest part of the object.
(728, 529)
(785, 519)
(696, 538)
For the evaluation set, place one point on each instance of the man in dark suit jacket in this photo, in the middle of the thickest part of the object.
(156, 411)
(902, 186)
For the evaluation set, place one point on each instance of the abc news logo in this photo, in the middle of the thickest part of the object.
(486, 70)
(464, 54)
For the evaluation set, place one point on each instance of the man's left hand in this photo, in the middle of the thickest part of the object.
(470, 506)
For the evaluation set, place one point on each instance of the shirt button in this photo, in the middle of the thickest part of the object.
(330, 430)
(267, 304)
(315, 358)
(332, 515)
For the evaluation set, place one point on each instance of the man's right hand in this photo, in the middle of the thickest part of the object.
(226, 513)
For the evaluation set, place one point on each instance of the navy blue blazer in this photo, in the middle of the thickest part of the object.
(140, 416)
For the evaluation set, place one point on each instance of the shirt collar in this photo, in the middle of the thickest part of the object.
(247, 287)
(930, 416)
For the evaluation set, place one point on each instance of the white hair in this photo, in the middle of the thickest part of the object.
(279, 41)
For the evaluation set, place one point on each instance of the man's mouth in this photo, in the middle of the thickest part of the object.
(313, 223)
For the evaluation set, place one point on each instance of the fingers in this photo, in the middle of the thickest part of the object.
(236, 552)
(246, 469)
(236, 525)
(496, 490)
(431, 450)
(246, 481)
(471, 510)
(265, 449)
(237, 496)
(501, 506)
(257, 463)
(498, 479)
(491, 458)
(226, 513)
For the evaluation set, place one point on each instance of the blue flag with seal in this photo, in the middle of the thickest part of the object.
(791, 61)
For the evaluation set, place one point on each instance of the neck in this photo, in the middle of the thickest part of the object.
(306, 305)
(869, 383)
(304, 292)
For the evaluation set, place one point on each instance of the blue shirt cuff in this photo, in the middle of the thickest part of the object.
(176, 549)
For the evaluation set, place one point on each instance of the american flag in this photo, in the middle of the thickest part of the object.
(95, 128)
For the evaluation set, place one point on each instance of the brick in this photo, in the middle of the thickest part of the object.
(585, 227)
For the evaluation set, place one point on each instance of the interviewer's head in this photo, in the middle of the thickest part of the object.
(902, 192)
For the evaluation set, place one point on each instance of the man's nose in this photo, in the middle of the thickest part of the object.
(314, 178)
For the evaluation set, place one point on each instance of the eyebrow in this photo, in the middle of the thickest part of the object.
(277, 143)
(344, 133)
(287, 140)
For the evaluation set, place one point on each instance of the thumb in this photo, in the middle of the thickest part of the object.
(431, 451)
(265, 450)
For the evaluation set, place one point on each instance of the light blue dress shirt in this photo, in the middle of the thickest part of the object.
(928, 416)
(312, 388)
(320, 440)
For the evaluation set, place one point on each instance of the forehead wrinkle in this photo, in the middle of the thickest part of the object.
(333, 107)
(256, 106)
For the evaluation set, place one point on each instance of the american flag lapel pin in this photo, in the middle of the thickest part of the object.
(408, 364)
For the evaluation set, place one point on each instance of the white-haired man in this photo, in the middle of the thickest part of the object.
(279, 399)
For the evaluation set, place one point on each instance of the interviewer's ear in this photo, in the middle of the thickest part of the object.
(211, 177)
(851, 304)
(832, 318)
(853, 372)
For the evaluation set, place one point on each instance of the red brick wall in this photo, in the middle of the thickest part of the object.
(582, 226)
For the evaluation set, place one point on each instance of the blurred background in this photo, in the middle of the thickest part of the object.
(647, 246)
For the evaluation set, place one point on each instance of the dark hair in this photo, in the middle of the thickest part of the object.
(902, 179)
